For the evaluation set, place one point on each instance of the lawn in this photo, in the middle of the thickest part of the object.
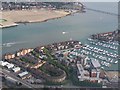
(3, 20)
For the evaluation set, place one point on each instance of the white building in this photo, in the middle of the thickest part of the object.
(22, 74)
(16, 69)
(82, 74)
(2, 63)
(96, 63)
(85, 75)
(10, 66)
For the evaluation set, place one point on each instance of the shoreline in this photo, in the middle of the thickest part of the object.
(25, 22)
(59, 13)
(7, 26)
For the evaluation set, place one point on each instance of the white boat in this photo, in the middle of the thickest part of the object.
(64, 32)
(102, 67)
(116, 62)
(90, 39)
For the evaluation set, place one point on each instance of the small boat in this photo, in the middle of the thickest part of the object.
(102, 67)
(116, 62)
(64, 32)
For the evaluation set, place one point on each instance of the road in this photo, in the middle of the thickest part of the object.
(15, 77)
(33, 86)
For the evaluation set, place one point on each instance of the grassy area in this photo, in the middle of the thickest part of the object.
(23, 59)
(3, 20)
(35, 54)
(26, 60)
(55, 62)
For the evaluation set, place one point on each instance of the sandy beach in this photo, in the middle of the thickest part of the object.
(13, 17)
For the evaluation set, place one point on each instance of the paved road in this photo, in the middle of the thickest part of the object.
(15, 77)
(20, 80)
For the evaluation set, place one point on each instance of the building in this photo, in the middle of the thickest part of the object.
(95, 63)
(37, 65)
(27, 76)
(9, 56)
(24, 75)
(93, 76)
(82, 74)
(18, 62)
(2, 63)
(31, 59)
(10, 66)
(39, 74)
(23, 52)
(16, 69)
(93, 73)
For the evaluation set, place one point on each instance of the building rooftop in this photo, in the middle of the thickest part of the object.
(95, 63)
(16, 69)
(22, 74)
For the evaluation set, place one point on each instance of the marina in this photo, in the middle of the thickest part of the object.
(105, 52)
(76, 50)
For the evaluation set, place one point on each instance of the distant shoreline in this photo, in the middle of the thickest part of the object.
(30, 16)
(25, 22)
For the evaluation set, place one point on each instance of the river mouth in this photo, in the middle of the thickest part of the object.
(73, 27)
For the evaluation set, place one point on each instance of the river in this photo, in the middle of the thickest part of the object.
(77, 27)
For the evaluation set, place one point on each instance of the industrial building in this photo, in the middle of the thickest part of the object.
(24, 75)
(9, 66)
(2, 63)
(16, 69)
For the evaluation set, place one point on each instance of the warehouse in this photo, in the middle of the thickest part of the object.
(16, 69)
(24, 75)
(10, 66)
(2, 63)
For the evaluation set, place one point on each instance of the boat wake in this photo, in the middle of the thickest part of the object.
(11, 44)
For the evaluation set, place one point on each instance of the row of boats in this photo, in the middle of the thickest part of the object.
(107, 61)
(104, 45)
(109, 42)
(104, 61)
(100, 51)
(105, 52)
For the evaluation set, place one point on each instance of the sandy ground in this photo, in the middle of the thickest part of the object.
(29, 16)
(111, 74)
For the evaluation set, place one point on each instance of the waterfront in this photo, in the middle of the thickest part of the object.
(77, 27)
(34, 15)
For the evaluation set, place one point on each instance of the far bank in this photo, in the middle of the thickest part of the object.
(12, 18)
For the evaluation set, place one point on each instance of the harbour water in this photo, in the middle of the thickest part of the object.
(77, 27)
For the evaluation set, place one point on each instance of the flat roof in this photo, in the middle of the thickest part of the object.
(16, 69)
(95, 63)
(10, 65)
(23, 73)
